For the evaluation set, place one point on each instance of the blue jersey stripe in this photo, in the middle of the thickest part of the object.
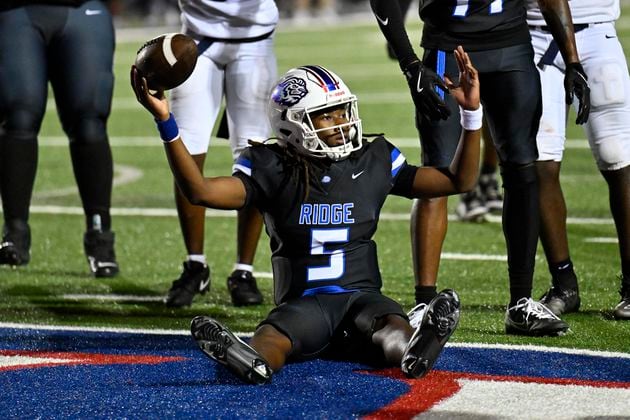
(441, 68)
(326, 290)
(397, 161)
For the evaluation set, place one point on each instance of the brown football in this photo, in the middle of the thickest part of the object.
(167, 60)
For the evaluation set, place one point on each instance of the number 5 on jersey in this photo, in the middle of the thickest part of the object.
(337, 266)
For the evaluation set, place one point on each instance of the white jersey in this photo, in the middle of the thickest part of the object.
(582, 11)
(228, 19)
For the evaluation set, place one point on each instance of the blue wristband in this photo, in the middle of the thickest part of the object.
(168, 129)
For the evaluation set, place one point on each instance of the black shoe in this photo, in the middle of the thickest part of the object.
(243, 289)
(221, 345)
(622, 310)
(439, 321)
(471, 206)
(99, 250)
(194, 279)
(561, 301)
(16, 244)
(532, 318)
(491, 193)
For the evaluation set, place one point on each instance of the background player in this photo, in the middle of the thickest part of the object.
(496, 35)
(236, 63)
(321, 189)
(607, 130)
(70, 43)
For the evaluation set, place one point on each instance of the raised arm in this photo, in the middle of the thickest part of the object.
(462, 174)
(225, 192)
(558, 17)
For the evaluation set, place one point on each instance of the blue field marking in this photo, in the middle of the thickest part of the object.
(190, 385)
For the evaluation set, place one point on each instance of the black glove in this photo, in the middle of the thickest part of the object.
(422, 82)
(575, 83)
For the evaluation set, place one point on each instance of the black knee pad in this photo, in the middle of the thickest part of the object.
(517, 176)
(85, 130)
(20, 123)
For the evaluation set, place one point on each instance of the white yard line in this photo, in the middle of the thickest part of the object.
(602, 240)
(144, 141)
(171, 212)
(544, 349)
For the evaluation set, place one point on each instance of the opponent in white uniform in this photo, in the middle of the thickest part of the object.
(236, 64)
(607, 130)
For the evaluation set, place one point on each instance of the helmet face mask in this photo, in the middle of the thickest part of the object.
(300, 94)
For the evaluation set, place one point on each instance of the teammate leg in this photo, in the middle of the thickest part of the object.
(248, 80)
(514, 130)
(563, 295)
(619, 198)
(196, 105)
(23, 83)
(82, 79)
(608, 131)
(429, 217)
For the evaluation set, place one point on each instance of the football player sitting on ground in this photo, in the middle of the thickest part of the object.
(321, 188)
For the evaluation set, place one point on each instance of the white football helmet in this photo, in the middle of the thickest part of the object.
(302, 91)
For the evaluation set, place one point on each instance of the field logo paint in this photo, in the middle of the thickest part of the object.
(46, 372)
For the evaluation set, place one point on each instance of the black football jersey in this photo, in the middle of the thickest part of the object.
(321, 241)
(477, 25)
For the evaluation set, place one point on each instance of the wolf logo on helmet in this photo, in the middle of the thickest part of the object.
(303, 91)
(290, 92)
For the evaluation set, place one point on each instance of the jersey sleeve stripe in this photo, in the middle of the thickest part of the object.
(242, 165)
(397, 161)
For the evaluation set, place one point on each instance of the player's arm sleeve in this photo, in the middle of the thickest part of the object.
(260, 171)
(402, 172)
(392, 23)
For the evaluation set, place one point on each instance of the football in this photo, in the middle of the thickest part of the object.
(167, 61)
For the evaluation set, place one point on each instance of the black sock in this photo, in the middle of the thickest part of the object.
(488, 169)
(424, 294)
(520, 226)
(18, 165)
(562, 275)
(625, 272)
(93, 171)
(518, 292)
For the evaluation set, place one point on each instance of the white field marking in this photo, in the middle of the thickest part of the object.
(117, 298)
(6, 361)
(123, 174)
(144, 141)
(586, 352)
(602, 240)
(472, 257)
(530, 347)
(157, 331)
(159, 212)
(517, 400)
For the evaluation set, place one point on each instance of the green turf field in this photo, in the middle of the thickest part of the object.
(52, 289)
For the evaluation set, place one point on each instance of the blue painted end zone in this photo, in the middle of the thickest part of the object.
(197, 387)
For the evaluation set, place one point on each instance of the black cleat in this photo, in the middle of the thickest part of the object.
(243, 289)
(99, 250)
(439, 321)
(194, 279)
(471, 206)
(561, 301)
(16, 244)
(532, 318)
(221, 345)
(491, 193)
(622, 310)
